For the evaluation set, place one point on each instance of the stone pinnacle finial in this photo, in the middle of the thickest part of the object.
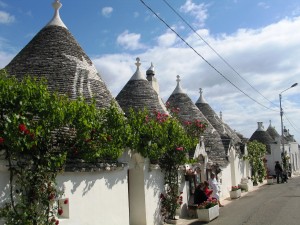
(137, 75)
(56, 18)
(138, 63)
(178, 79)
(178, 88)
(200, 99)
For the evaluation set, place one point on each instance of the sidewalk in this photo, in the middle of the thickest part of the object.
(224, 202)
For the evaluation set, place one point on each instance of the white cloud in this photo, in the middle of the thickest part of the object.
(167, 39)
(6, 18)
(199, 11)
(267, 58)
(130, 41)
(107, 11)
(5, 58)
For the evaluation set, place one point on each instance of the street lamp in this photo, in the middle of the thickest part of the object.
(281, 114)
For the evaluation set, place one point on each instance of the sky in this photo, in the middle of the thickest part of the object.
(242, 53)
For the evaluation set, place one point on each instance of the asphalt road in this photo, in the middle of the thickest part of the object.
(277, 204)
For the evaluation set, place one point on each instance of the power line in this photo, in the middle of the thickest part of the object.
(225, 61)
(295, 128)
(178, 35)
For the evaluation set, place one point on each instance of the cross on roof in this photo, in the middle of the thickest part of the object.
(138, 62)
(178, 78)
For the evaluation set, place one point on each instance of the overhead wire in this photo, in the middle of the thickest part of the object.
(179, 36)
(225, 61)
(293, 126)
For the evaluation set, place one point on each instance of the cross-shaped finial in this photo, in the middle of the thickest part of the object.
(200, 91)
(138, 62)
(178, 78)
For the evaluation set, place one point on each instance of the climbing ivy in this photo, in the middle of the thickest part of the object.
(256, 154)
(165, 141)
(39, 130)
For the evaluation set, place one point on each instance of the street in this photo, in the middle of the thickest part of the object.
(276, 204)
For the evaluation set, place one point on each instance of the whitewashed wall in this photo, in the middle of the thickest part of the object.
(154, 186)
(225, 181)
(96, 197)
(293, 152)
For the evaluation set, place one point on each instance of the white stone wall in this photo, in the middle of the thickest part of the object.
(225, 181)
(154, 186)
(96, 197)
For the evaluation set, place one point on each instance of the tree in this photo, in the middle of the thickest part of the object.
(256, 154)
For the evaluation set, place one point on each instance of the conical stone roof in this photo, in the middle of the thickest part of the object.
(262, 136)
(188, 111)
(226, 133)
(55, 55)
(272, 132)
(138, 94)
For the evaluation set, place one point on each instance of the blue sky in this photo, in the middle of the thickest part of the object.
(259, 39)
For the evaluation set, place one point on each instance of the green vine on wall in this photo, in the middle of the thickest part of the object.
(165, 140)
(256, 154)
(38, 131)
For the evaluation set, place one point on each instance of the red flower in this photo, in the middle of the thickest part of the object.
(56, 222)
(60, 211)
(26, 132)
(22, 127)
(66, 201)
(1, 140)
(179, 148)
(51, 196)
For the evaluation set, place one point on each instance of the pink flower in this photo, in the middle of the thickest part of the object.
(179, 148)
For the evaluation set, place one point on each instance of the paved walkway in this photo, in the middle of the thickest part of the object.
(224, 202)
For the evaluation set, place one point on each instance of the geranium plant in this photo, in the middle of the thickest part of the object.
(208, 204)
(235, 188)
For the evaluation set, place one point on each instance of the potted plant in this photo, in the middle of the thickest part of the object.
(270, 179)
(235, 192)
(208, 210)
